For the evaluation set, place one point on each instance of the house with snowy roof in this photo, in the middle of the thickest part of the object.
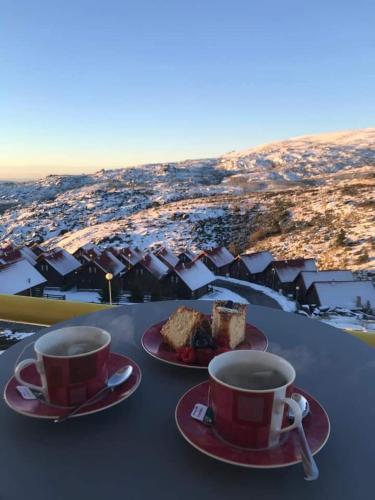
(251, 266)
(129, 256)
(346, 294)
(59, 267)
(145, 278)
(186, 256)
(218, 260)
(167, 256)
(89, 250)
(94, 268)
(188, 280)
(11, 253)
(21, 278)
(37, 249)
(306, 278)
(280, 274)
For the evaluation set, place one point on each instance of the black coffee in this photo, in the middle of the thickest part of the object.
(69, 349)
(250, 376)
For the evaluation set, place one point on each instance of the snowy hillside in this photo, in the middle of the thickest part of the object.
(307, 159)
(310, 196)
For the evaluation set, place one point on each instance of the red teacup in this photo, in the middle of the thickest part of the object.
(248, 417)
(72, 363)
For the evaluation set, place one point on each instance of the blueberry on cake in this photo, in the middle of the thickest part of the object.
(184, 327)
(229, 320)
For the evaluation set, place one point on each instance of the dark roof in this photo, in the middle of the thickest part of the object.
(90, 250)
(60, 260)
(345, 293)
(154, 265)
(194, 274)
(109, 263)
(131, 255)
(188, 253)
(310, 277)
(167, 256)
(18, 276)
(220, 256)
(288, 270)
(256, 262)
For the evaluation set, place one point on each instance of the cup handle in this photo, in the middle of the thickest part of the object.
(17, 373)
(296, 412)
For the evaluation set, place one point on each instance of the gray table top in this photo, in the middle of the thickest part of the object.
(135, 451)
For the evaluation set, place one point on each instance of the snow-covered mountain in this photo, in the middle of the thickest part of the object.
(292, 197)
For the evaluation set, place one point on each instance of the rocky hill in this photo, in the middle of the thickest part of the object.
(309, 196)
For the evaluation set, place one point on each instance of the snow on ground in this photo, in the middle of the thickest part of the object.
(74, 295)
(345, 323)
(219, 293)
(15, 335)
(10, 337)
(285, 304)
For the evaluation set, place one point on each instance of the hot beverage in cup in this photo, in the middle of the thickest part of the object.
(255, 377)
(72, 363)
(249, 395)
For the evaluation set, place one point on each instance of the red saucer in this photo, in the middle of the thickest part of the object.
(153, 344)
(38, 409)
(204, 438)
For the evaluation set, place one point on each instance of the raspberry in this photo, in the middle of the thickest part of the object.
(205, 355)
(187, 355)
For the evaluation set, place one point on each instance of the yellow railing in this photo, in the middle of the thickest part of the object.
(48, 312)
(41, 311)
(369, 338)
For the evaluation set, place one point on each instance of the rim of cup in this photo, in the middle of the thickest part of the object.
(66, 329)
(256, 354)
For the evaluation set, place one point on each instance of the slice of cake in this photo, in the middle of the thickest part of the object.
(229, 320)
(181, 327)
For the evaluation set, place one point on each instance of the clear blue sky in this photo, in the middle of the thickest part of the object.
(86, 84)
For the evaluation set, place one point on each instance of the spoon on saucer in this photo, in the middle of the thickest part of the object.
(114, 381)
(308, 462)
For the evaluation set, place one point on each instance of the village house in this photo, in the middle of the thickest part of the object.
(188, 280)
(89, 250)
(129, 256)
(95, 265)
(144, 279)
(37, 249)
(346, 294)
(11, 253)
(186, 256)
(59, 267)
(167, 256)
(280, 274)
(21, 278)
(306, 278)
(251, 266)
(218, 260)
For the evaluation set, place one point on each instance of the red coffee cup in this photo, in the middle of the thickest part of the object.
(72, 363)
(251, 418)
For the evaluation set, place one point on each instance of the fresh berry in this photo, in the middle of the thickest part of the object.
(187, 355)
(204, 356)
(202, 340)
(222, 341)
